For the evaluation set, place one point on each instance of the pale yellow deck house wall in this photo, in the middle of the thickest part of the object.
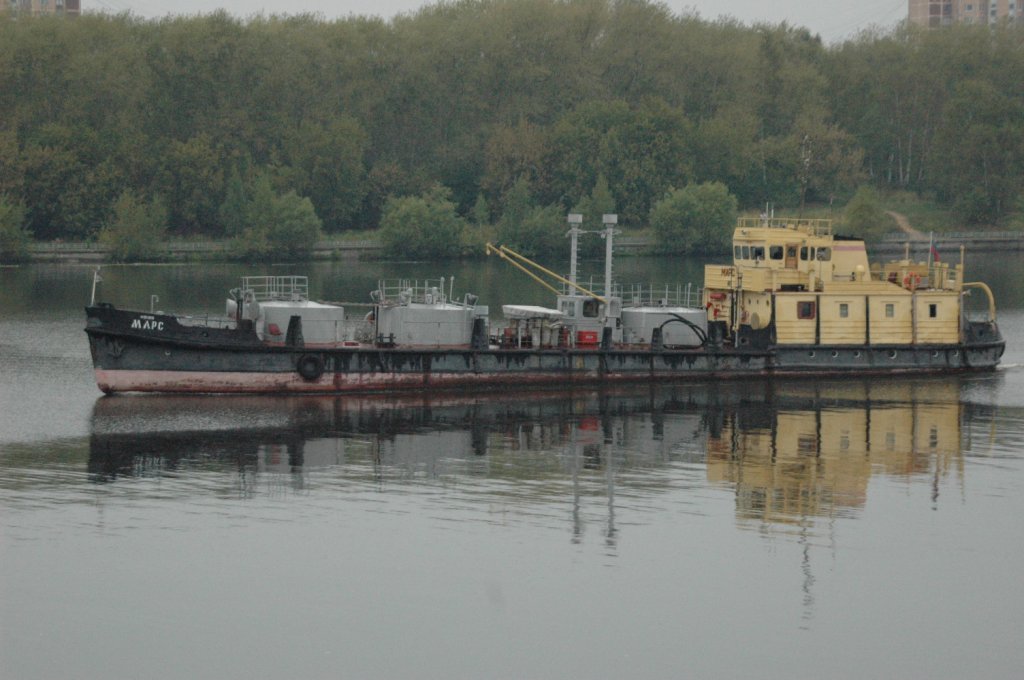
(789, 329)
(719, 276)
(838, 330)
(945, 327)
(895, 330)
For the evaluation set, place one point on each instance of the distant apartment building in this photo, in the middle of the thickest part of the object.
(935, 13)
(71, 8)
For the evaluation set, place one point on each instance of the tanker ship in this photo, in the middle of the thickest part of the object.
(796, 300)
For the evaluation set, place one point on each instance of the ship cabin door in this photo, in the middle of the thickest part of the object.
(791, 251)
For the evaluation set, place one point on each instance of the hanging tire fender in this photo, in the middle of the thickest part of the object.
(310, 367)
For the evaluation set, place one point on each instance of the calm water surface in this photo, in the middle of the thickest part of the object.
(789, 529)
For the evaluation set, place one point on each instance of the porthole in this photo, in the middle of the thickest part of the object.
(811, 353)
(167, 352)
(892, 354)
(935, 354)
(856, 354)
(956, 353)
(834, 354)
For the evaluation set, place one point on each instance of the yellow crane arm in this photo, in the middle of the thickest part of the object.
(507, 254)
(498, 251)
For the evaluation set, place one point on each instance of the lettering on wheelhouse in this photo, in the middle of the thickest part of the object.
(147, 323)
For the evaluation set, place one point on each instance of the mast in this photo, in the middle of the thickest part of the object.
(609, 230)
(96, 278)
(575, 220)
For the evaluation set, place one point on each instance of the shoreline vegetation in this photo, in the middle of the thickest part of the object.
(372, 248)
(491, 120)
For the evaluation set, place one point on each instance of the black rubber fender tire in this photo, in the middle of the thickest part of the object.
(310, 367)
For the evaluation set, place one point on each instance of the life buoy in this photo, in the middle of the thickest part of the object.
(911, 281)
(310, 367)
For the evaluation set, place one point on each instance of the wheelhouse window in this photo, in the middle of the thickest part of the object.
(824, 254)
(737, 252)
(803, 253)
(746, 253)
(933, 310)
(775, 252)
(757, 252)
(591, 308)
(805, 309)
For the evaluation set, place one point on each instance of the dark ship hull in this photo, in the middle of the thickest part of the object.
(148, 352)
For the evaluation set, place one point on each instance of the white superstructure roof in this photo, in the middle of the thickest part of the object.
(530, 312)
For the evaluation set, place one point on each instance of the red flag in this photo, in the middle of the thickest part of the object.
(935, 254)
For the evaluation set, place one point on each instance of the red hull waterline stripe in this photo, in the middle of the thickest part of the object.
(269, 383)
(237, 381)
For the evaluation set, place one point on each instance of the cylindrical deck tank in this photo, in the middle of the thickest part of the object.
(638, 322)
(426, 325)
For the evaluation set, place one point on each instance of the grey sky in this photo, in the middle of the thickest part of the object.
(834, 20)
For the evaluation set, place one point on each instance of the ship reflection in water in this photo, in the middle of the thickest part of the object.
(789, 451)
(812, 451)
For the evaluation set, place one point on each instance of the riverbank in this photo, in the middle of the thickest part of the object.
(184, 251)
(219, 251)
(950, 242)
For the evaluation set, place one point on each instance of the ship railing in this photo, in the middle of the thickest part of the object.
(293, 288)
(812, 226)
(646, 295)
(590, 285)
(205, 320)
(403, 291)
(641, 295)
(363, 331)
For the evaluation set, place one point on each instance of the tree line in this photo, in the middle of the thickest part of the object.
(505, 113)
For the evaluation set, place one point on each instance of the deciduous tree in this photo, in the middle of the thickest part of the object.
(864, 217)
(697, 218)
(136, 231)
(14, 237)
(422, 227)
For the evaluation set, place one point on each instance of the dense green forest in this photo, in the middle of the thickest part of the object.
(483, 105)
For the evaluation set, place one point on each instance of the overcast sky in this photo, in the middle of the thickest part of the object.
(834, 20)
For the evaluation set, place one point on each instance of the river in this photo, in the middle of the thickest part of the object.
(778, 529)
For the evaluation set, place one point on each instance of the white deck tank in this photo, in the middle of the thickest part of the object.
(639, 322)
(321, 324)
(428, 325)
